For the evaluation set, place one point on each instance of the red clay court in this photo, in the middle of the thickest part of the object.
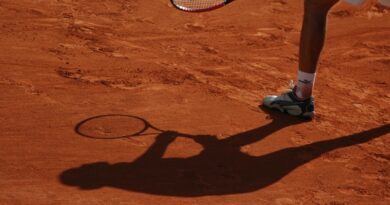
(77, 68)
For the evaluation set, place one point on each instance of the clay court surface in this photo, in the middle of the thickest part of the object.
(201, 76)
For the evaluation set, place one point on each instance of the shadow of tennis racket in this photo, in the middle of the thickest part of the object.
(118, 126)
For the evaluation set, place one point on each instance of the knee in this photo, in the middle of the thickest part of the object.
(319, 5)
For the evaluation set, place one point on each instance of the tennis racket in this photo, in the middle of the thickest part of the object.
(199, 5)
(115, 127)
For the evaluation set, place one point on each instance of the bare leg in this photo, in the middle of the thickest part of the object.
(299, 101)
(312, 42)
(313, 33)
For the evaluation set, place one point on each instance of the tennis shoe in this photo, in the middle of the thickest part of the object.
(289, 103)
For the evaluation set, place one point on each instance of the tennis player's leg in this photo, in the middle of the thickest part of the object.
(298, 100)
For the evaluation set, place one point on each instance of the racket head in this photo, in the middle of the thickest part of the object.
(112, 126)
(199, 5)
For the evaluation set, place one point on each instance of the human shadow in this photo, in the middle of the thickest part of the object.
(221, 168)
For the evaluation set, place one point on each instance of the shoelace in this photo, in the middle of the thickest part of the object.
(291, 84)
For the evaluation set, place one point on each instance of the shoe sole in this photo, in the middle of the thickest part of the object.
(306, 115)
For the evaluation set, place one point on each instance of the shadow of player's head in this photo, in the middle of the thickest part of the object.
(92, 176)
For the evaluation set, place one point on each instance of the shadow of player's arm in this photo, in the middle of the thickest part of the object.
(158, 148)
(286, 160)
(321, 147)
(254, 135)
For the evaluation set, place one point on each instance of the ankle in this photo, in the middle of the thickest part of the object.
(304, 87)
(298, 95)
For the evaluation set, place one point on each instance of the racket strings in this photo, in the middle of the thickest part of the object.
(193, 5)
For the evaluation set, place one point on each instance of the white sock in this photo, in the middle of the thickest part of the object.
(305, 84)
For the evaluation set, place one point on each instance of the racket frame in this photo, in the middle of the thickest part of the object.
(182, 8)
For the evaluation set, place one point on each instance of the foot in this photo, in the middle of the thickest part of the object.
(289, 103)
